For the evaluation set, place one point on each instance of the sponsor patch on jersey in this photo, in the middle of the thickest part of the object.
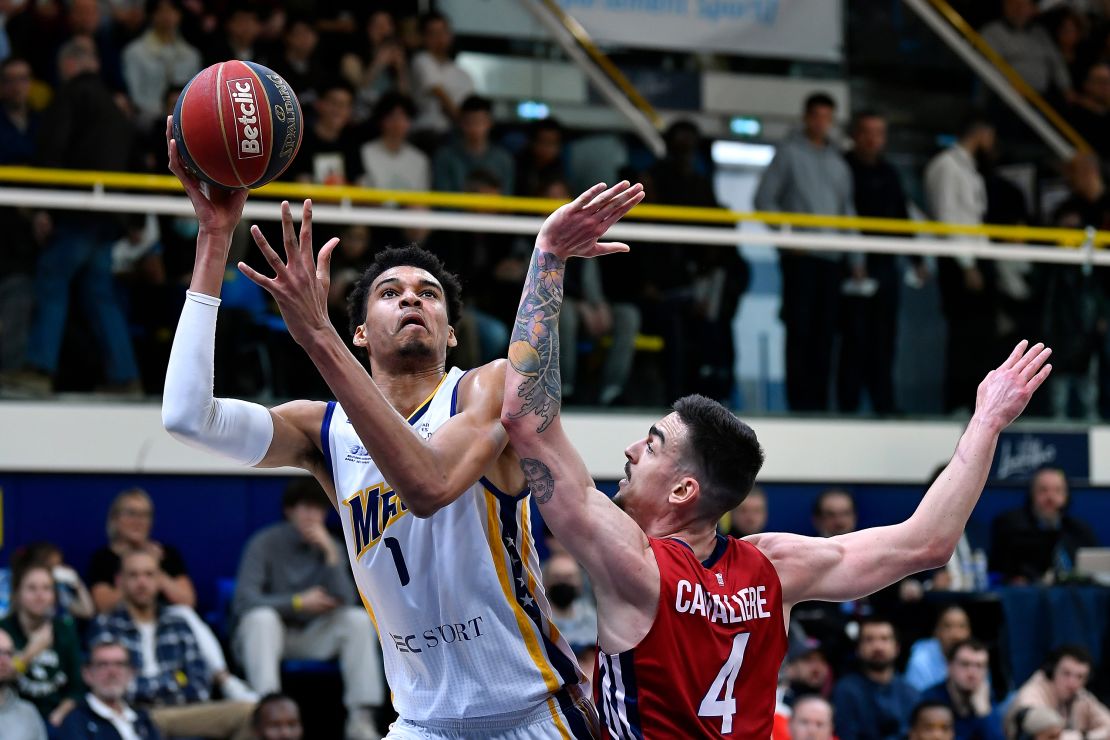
(357, 454)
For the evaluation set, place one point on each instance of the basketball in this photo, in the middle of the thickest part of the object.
(237, 124)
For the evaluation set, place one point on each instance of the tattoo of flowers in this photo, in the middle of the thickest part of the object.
(534, 348)
(539, 478)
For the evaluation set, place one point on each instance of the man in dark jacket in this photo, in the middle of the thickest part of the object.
(104, 714)
(869, 313)
(84, 128)
(1041, 537)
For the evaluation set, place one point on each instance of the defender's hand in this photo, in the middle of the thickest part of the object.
(218, 210)
(574, 229)
(300, 285)
(1005, 392)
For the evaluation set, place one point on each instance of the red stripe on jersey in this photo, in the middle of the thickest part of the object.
(709, 665)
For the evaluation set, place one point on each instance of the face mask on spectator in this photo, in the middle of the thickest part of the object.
(562, 595)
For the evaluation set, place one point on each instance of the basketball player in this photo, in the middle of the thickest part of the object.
(692, 624)
(442, 552)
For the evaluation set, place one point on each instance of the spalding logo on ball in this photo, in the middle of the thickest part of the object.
(237, 125)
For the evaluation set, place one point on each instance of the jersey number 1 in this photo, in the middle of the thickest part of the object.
(398, 559)
(716, 705)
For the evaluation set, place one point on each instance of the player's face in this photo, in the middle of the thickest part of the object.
(280, 720)
(812, 721)
(968, 669)
(934, 723)
(36, 594)
(406, 317)
(652, 471)
(1069, 678)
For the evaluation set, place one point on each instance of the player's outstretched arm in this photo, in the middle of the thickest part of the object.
(612, 548)
(427, 475)
(854, 565)
(247, 433)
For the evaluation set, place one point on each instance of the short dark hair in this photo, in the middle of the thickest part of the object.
(390, 102)
(482, 176)
(878, 619)
(819, 99)
(819, 502)
(723, 450)
(863, 115)
(303, 490)
(336, 83)
(926, 705)
(429, 18)
(1078, 653)
(969, 643)
(974, 121)
(544, 124)
(152, 5)
(410, 256)
(274, 697)
(476, 104)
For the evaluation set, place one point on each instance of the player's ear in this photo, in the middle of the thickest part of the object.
(452, 340)
(359, 339)
(686, 491)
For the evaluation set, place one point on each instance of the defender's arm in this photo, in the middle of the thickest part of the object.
(854, 565)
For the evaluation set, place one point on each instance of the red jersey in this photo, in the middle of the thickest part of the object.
(709, 665)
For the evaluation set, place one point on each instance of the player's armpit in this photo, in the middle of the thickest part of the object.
(296, 441)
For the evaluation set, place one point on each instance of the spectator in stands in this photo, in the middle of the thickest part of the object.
(241, 31)
(130, 521)
(171, 676)
(73, 597)
(83, 129)
(1028, 48)
(932, 720)
(295, 599)
(48, 655)
(158, 59)
(750, 517)
(956, 193)
(1069, 30)
(869, 319)
(297, 62)
(439, 85)
(348, 262)
(1073, 304)
(390, 162)
(812, 719)
(380, 67)
(541, 160)
(834, 513)
(472, 150)
(1089, 113)
(1038, 541)
(807, 672)
(808, 175)
(1038, 723)
(104, 713)
(329, 153)
(19, 718)
(1061, 685)
(572, 608)
(967, 692)
(928, 663)
(277, 717)
(692, 292)
(18, 123)
(875, 703)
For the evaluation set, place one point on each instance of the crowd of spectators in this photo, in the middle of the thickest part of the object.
(906, 662)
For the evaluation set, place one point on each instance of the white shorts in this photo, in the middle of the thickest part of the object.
(560, 718)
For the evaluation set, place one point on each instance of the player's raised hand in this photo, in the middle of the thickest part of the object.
(1004, 393)
(300, 285)
(218, 210)
(574, 229)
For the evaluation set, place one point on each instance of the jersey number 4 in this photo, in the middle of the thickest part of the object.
(719, 701)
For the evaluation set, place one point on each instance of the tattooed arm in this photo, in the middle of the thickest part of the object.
(605, 540)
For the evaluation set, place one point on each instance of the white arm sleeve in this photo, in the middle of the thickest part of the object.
(234, 429)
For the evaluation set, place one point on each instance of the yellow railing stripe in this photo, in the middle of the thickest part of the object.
(504, 204)
(1010, 74)
(602, 60)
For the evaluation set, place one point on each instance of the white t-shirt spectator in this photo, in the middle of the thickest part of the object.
(955, 191)
(428, 73)
(405, 169)
(151, 66)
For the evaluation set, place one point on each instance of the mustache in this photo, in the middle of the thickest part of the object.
(627, 471)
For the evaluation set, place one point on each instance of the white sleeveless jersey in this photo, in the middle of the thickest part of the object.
(456, 598)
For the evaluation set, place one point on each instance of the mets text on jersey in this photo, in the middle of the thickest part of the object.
(744, 605)
(371, 511)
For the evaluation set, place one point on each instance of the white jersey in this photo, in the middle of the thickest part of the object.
(456, 597)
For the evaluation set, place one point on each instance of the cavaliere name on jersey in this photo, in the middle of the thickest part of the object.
(709, 665)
